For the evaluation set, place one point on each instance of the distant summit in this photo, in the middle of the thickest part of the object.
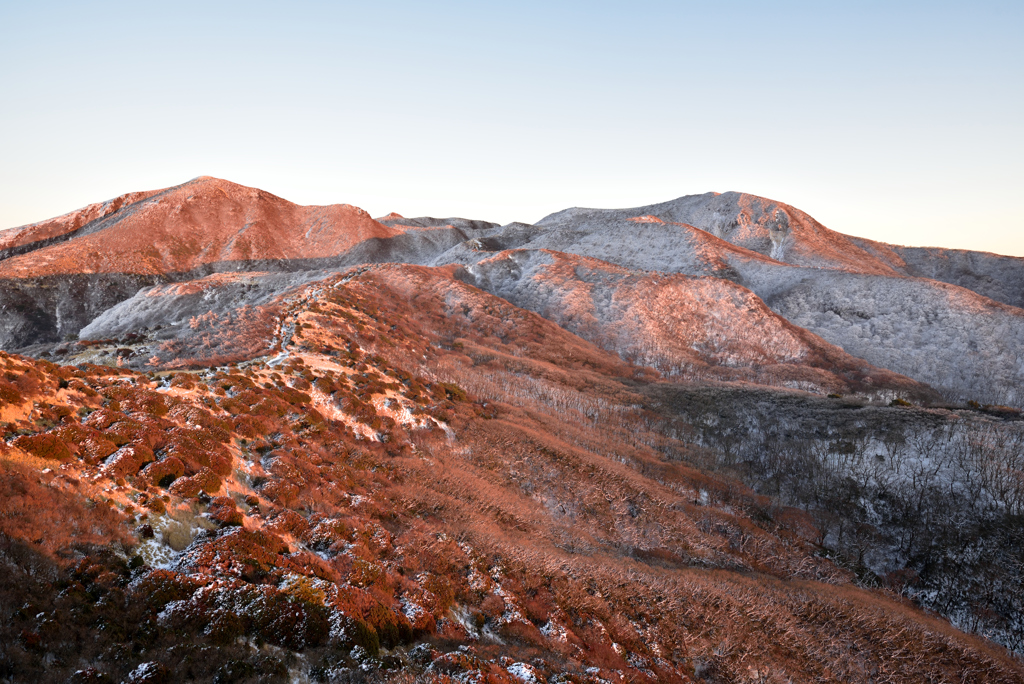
(204, 222)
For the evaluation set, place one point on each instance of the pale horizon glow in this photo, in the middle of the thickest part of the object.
(897, 122)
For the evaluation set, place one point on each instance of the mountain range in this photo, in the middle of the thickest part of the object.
(703, 440)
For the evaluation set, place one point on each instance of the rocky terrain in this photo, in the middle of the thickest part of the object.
(706, 440)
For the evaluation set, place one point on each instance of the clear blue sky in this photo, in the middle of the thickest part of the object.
(898, 121)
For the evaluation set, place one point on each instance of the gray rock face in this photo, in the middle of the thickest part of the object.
(53, 308)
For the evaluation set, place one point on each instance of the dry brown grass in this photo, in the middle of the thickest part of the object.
(551, 511)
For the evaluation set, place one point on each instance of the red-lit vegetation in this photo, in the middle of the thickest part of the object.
(422, 467)
(221, 222)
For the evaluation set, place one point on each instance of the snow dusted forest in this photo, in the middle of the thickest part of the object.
(928, 504)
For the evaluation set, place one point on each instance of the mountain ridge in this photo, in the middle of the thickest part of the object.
(707, 440)
(779, 253)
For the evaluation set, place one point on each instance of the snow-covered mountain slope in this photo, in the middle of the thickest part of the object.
(965, 345)
(995, 276)
(862, 296)
(765, 226)
(686, 327)
(642, 243)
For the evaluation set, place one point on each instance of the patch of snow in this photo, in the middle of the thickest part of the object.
(525, 672)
